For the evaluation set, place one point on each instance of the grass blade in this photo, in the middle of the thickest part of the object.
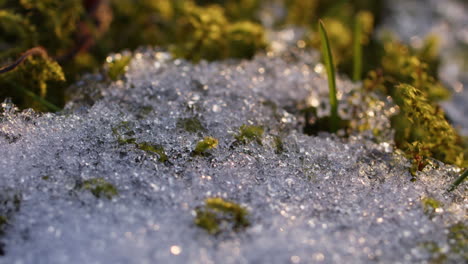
(39, 99)
(458, 181)
(328, 59)
(357, 50)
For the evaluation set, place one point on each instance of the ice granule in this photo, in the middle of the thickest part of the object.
(322, 199)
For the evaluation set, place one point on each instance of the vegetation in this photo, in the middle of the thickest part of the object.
(430, 205)
(99, 188)
(218, 215)
(48, 44)
(248, 133)
(126, 136)
(192, 125)
(205, 145)
(330, 66)
(458, 181)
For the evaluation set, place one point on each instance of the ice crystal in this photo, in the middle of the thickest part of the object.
(309, 198)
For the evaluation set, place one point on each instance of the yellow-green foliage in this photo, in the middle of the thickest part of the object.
(126, 136)
(205, 33)
(117, 67)
(32, 78)
(458, 239)
(422, 131)
(218, 213)
(99, 188)
(430, 205)
(249, 133)
(436, 253)
(338, 16)
(191, 31)
(204, 145)
(400, 64)
(28, 23)
(155, 149)
(191, 124)
(18, 34)
(58, 21)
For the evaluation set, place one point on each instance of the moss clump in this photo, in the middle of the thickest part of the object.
(422, 131)
(99, 188)
(248, 133)
(80, 35)
(10, 203)
(430, 205)
(206, 33)
(118, 67)
(29, 83)
(437, 255)
(124, 133)
(219, 215)
(192, 125)
(204, 145)
(155, 149)
(401, 64)
(126, 136)
(278, 143)
(458, 239)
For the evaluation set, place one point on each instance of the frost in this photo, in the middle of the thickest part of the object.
(308, 198)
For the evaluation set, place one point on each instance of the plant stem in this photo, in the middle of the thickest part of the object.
(328, 59)
(357, 50)
(41, 100)
(458, 181)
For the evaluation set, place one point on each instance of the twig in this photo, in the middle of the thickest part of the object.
(31, 52)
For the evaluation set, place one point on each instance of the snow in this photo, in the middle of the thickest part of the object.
(323, 199)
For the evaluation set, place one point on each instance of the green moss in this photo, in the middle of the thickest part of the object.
(207, 220)
(458, 239)
(401, 64)
(278, 143)
(124, 133)
(99, 188)
(430, 205)
(437, 256)
(192, 125)
(204, 145)
(217, 211)
(10, 203)
(206, 33)
(244, 39)
(29, 83)
(248, 133)
(422, 131)
(154, 149)
(118, 67)
(3, 221)
(126, 136)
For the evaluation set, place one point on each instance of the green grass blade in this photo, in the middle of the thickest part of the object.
(458, 181)
(328, 59)
(41, 100)
(357, 50)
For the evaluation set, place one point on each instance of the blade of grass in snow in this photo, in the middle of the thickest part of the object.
(458, 181)
(357, 50)
(39, 99)
(328, 59)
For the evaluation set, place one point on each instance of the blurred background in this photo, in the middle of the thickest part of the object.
(400, 39)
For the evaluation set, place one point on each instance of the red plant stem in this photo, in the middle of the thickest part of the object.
(34, 51)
